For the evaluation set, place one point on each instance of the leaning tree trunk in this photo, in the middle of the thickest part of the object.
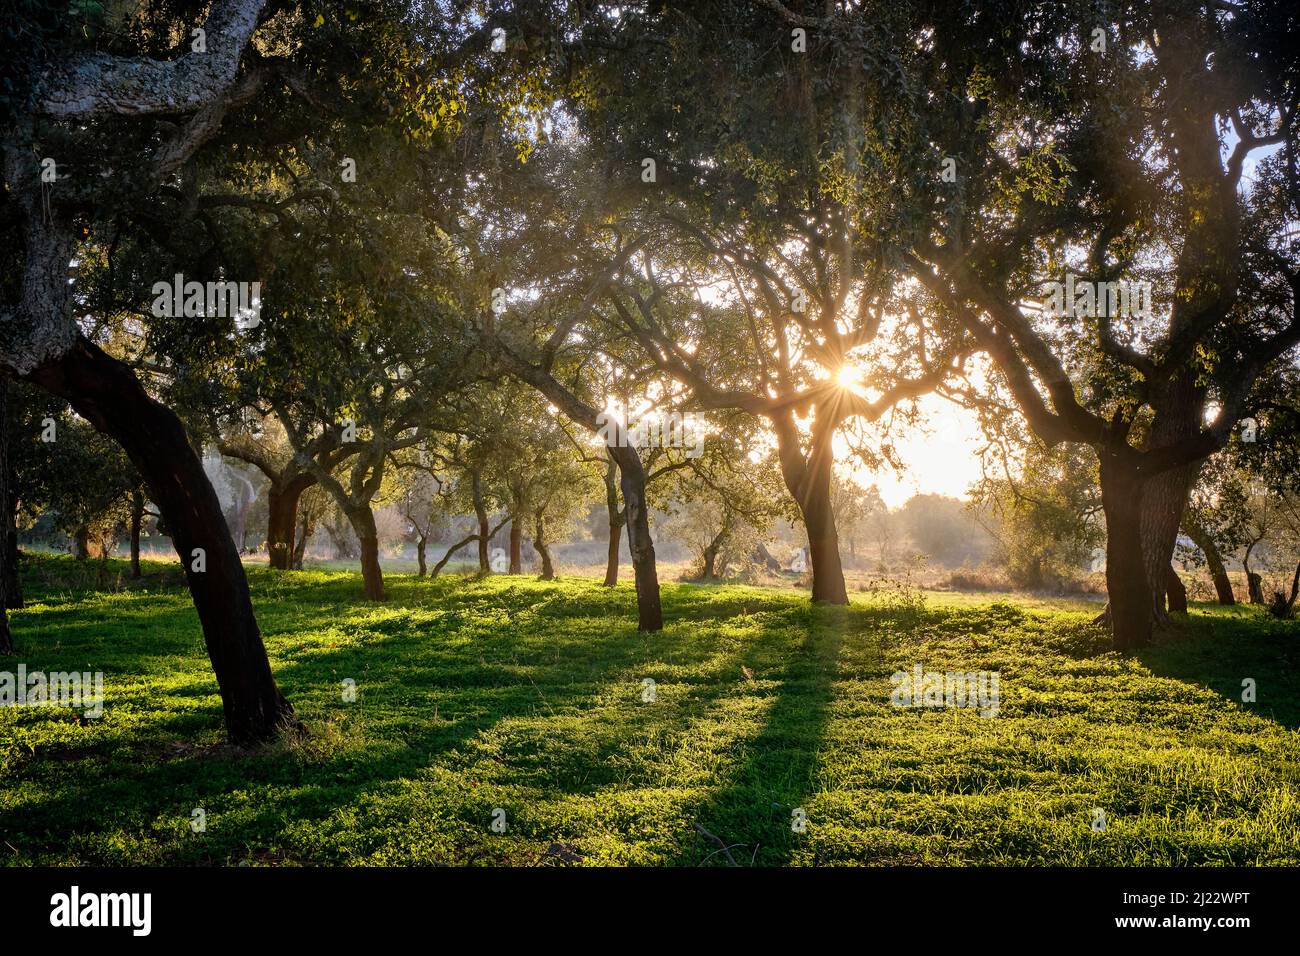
(1130, 610)
(6, 638)
(137, 519)
(1213, 560)
(106, 393)
(362, 519)
(543, 548)
(632, 481)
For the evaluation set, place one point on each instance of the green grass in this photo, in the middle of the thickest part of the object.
(527, 696)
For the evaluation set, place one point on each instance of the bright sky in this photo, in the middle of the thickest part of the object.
(939, 457)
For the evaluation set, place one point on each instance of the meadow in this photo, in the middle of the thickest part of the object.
(506, 693)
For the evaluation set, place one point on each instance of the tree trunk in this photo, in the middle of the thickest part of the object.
(543, 548)
(1179, 414)
(1130, 609)
(106, 393)
(81, 543)
(305, 530)
(6, 637)
(516, 547)
(421, 549)
(809, 483)
(632, 482)
(1213, 560)
(362, 520)
(137, 519)
(615, 517)
(1254, 583)
(13, 587)
(480, 512)
(708, 572)
(1255, 587)
(1176, 590)
(282, 517)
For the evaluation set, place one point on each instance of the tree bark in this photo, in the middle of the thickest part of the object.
(282, 518)
(6, 637)
(543, 548)
(516, 546)
(809, 483)
(305, 531)
(362, 520)
(1131, 611)
(421, 550)
(707, 572)
(616, 519)
(480, 512)
(1176, 590)
(1254, 583)
(81, 542)
(106, 393)
(137, 519)
(13, 586)
(1213, 560)
(632, 481)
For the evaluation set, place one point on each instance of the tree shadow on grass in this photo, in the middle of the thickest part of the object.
(1219, 648)
(406, 660)
(755, 812)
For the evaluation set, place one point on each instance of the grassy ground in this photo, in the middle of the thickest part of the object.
(513, 694)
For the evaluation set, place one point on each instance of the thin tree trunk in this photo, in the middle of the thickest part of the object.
(362, 519)
(6, 637)
(305, 531)
(615, 518)
(106, 393)
(13, 587)
(1130, 609)
(1254, 583)
(137, 519)
(480, 512)
(632, 481)
(1213, 560)
(543, 548)
(421, 546)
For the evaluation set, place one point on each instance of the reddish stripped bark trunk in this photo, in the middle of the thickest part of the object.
(106, 393)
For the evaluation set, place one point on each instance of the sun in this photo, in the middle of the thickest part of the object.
(848, 377)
